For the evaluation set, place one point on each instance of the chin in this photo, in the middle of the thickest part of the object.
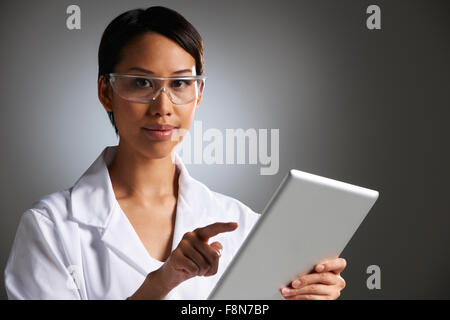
(158, 149)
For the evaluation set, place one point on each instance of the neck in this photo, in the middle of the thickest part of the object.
(135, 176)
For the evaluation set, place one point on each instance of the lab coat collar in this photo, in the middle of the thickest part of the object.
(92, 197)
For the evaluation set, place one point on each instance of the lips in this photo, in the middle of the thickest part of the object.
(159, 127)
(158, 132)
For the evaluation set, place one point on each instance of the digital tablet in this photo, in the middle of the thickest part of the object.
(308, 219)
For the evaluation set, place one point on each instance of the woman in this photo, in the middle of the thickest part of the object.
(136, 225)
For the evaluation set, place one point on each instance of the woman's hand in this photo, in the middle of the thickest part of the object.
(194, 256)
(325, 283)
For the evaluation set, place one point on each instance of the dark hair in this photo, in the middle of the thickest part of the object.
(133, 23)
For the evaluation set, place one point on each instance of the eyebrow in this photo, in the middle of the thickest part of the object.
(151, 72)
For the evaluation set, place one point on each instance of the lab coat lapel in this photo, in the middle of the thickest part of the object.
(182, 221)
(188, 210)
(123, 240)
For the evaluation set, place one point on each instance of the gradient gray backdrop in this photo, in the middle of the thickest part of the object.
(366, 107)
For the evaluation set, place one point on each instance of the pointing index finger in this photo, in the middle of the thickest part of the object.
(211, 230)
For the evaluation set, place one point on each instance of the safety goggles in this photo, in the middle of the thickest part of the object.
(144, 89)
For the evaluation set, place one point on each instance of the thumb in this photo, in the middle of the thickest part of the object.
(217, 246)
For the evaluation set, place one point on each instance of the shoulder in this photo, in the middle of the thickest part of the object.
(228, 203)
(47, 219)
(223, 207)
(53, 207)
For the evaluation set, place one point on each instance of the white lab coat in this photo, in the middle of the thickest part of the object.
(78, 243)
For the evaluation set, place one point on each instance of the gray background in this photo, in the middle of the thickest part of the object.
(366, 107)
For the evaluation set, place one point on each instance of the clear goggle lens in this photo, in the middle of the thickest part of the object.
(144, 89)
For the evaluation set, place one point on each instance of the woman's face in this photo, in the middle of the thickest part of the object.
(163, 57)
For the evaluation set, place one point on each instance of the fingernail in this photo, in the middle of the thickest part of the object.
(296, 284)
(320, 268)
(286, 291)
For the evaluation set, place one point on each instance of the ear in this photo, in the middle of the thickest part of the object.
(104, 93)
(198, 101)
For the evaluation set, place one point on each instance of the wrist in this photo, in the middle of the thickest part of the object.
(164, 278)
(154, 287)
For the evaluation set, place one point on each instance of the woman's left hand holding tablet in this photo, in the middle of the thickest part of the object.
(324, 283)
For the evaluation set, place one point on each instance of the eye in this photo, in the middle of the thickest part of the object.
(142, 83)
(181, 83)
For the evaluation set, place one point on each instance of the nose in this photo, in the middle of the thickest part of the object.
(161, 103)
